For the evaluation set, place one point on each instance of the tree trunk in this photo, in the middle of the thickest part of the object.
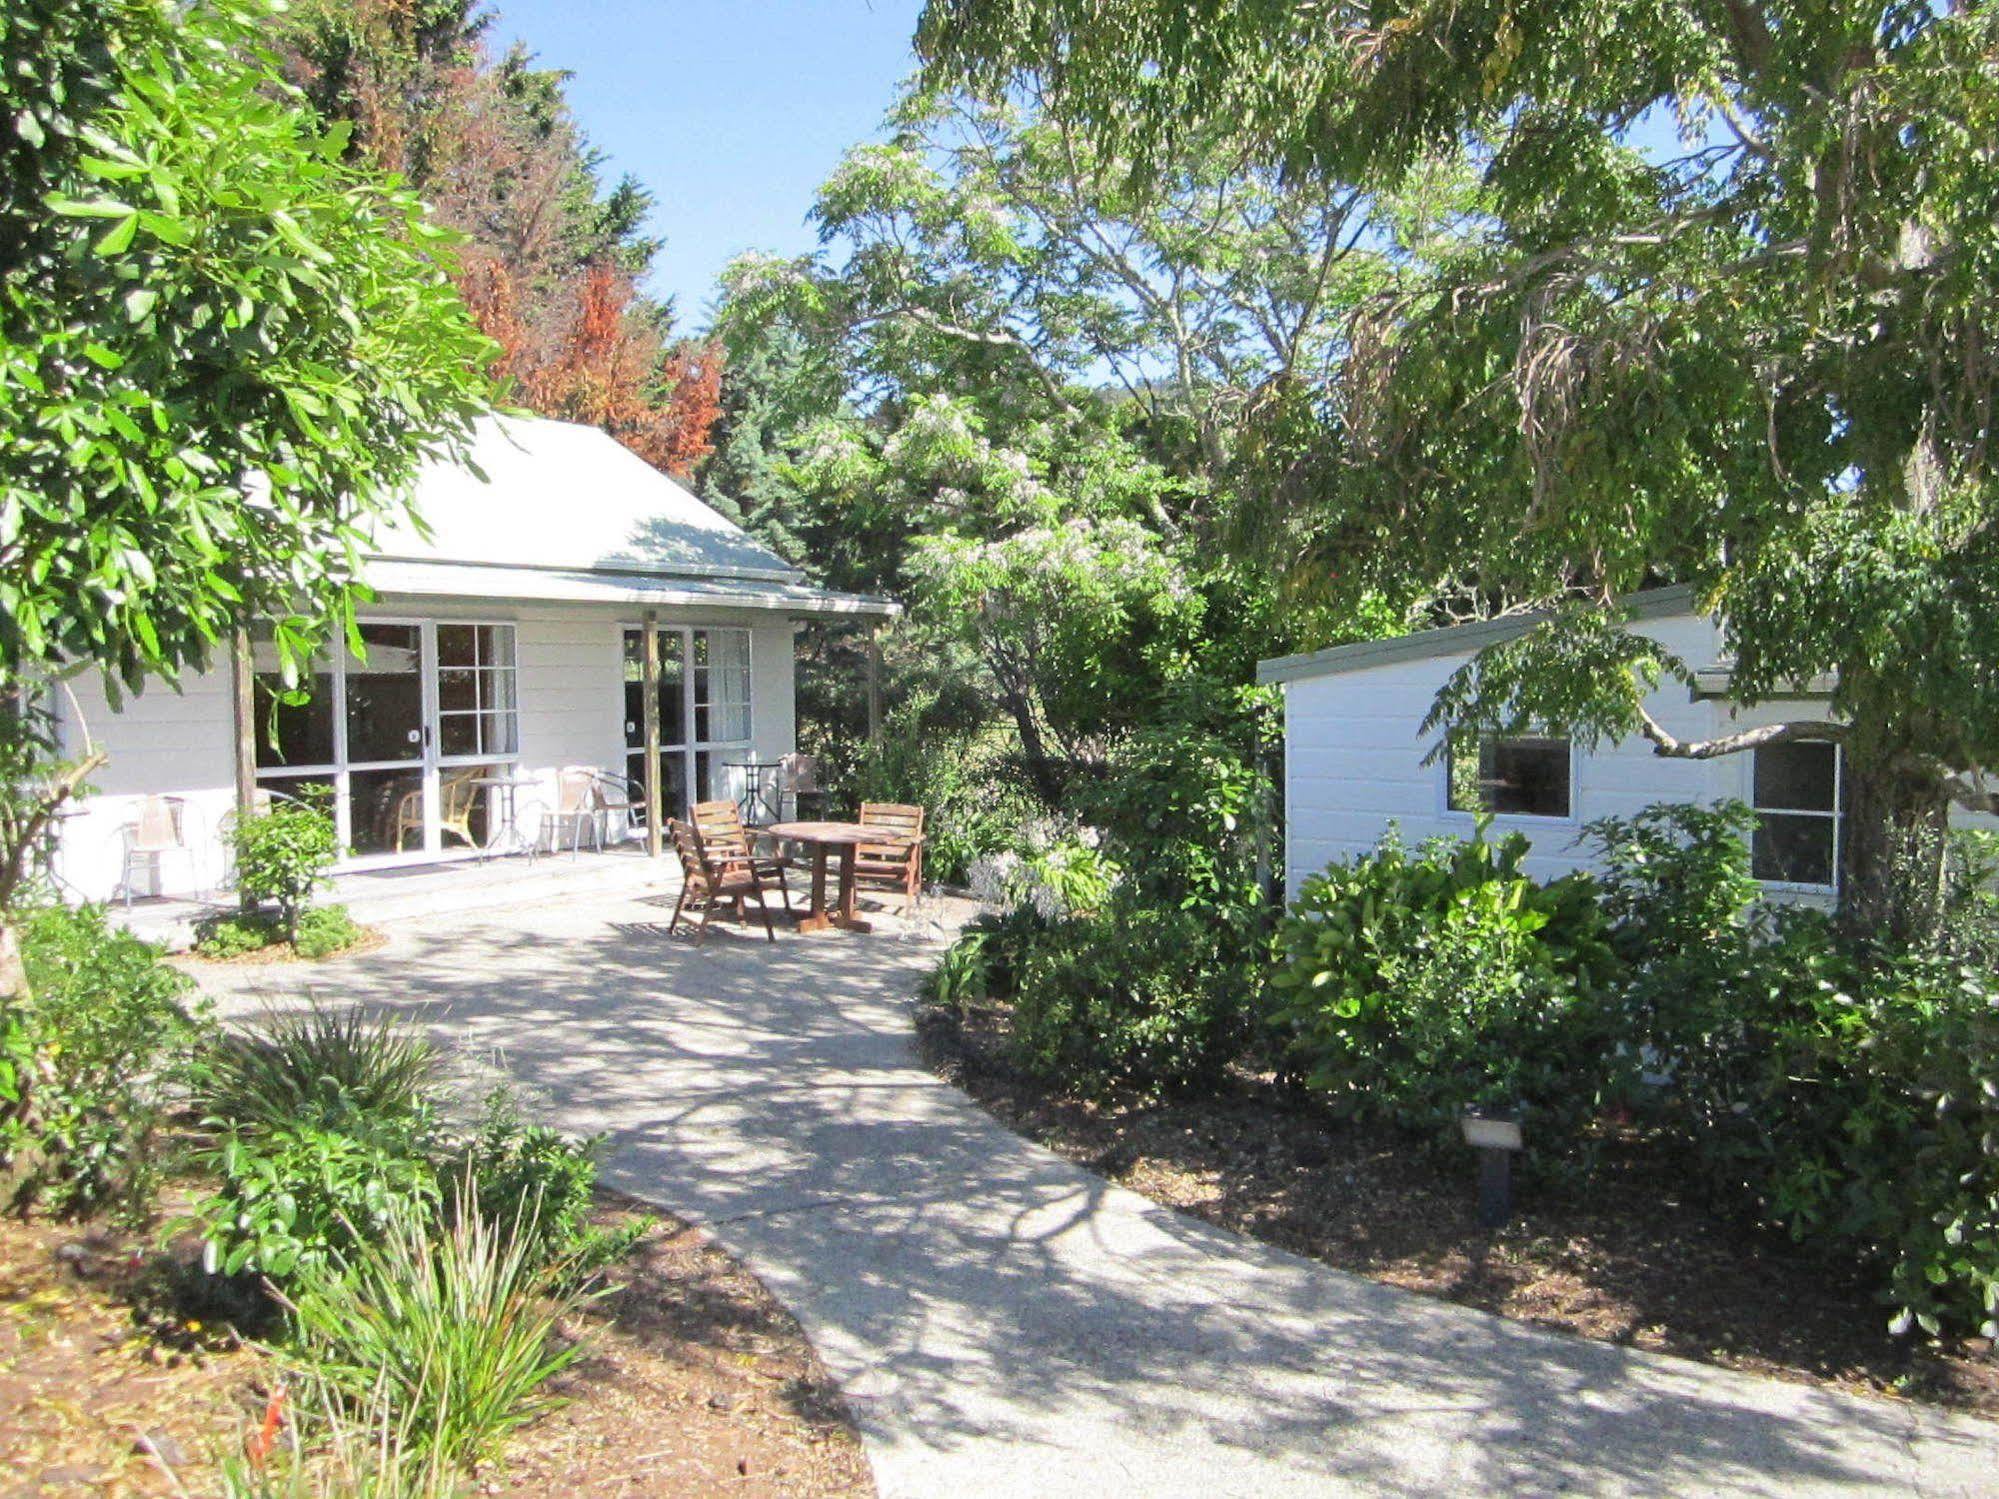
(14, 996)
(1892, 857)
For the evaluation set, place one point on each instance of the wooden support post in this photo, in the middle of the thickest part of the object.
(655, 792)
(243, 705)
(874, 683)
(243, 700)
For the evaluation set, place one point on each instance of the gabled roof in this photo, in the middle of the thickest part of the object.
(564, 511)
(1452, 640)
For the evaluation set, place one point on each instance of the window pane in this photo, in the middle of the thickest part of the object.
(1794, 850)
(295, 733)
(1524, 777)
(457, 646)
(1796, 777)
(457, 690)
(496, 645)
(458, 734)
(385, 813)
(385, 695)
(497, 733)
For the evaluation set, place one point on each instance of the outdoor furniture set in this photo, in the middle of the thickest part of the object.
(723, 862)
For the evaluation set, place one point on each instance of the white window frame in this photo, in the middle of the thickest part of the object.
(1571, 818)
(1836, 816)
(428, 763)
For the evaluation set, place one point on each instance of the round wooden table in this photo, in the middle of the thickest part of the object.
(822, 838)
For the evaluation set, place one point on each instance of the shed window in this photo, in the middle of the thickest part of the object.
(1518, 775)
(1798, 792)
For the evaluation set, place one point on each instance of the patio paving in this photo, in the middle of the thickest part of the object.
(1005, 1323)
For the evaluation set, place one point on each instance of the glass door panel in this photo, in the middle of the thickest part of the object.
(672, 718)
(385, 696)
(384, 718)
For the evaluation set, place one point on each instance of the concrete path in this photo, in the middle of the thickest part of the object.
(1005, 1323)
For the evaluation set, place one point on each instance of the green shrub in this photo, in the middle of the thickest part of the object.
(1412, 985)
(87, 1064)
(534, 1182)
(1130, 997)
(282, 856)
(223, 937)
(1841, 1091)
(321, 932)
(324, 931)
(338, 1069)
(290, 1199)
(451, 1328)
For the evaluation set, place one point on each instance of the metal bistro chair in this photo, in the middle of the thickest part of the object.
(727, 840)
(622, 802)
(706, 882)
(579, 806)
(798, 778)
(159, 830)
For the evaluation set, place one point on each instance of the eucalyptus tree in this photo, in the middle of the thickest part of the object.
(223, 353)
(1758, 360)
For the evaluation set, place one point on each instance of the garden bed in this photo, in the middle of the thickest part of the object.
(1627, 1262)
(695, 1382)
(368, 939)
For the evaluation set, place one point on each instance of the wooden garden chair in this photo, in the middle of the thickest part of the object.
(706, 882)
(727, 840)
(896, 863)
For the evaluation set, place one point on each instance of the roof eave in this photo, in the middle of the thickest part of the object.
(1653, 603)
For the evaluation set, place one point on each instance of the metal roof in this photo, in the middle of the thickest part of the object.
(456, 580)
(1653, 603)
(551, 510)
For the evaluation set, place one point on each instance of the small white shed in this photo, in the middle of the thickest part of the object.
(1354, 758)
(504, 643)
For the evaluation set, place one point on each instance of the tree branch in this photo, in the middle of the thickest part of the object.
(1665, 744)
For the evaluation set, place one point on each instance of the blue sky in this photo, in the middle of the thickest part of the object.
(731, 111)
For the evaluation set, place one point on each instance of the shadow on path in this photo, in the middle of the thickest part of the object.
(1004, 1322)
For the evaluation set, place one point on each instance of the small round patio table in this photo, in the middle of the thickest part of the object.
(822, 838)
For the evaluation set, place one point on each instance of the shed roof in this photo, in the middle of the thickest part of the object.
(1653, 603)
(555, 510)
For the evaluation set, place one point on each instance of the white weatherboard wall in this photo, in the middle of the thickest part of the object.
(570, 676)
(1354, 755)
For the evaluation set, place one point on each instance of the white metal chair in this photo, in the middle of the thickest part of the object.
(159, 830)
(579, 806)
(797, 775)
(622, 802)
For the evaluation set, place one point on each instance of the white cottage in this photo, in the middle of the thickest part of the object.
(1355, 753)
(503, 645)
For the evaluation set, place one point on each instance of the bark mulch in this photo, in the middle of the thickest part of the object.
(695, 1381)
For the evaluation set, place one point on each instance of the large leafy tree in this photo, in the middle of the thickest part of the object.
(1758, 361)
(223, 354)
(1038, 379)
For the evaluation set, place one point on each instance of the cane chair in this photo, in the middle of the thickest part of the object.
(706, 882)
(896, 863)
(457, 799)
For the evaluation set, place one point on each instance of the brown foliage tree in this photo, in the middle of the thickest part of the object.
(554, 259)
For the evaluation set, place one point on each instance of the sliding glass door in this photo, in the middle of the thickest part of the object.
(704, 712)
(398, 733)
